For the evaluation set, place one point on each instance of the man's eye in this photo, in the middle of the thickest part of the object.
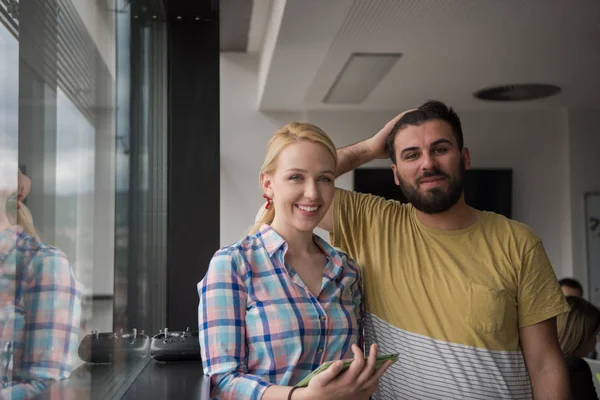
(410, 156)
(440, 150)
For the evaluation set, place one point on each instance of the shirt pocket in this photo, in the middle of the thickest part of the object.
(487, 307)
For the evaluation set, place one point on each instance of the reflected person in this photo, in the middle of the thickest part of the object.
(40, 299)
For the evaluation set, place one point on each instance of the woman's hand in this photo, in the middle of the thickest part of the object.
(357, 383)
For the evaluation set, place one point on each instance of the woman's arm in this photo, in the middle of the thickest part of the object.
(222, 330)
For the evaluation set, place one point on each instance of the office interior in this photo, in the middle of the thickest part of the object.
(142, 125)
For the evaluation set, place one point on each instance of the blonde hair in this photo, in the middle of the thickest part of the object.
(291, 133)
(25, 219)
(578, 326)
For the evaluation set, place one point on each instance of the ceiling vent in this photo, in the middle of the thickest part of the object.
(519, 92)
(360, 75)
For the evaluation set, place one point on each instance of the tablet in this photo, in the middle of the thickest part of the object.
(380, 360)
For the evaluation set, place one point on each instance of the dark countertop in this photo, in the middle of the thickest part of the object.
(156, 380)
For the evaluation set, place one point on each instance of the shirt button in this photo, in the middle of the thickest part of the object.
(322, 318)
(320, 350)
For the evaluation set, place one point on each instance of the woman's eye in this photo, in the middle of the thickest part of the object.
(295, 177)
(325, 179)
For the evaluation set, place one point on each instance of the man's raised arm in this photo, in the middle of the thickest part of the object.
(355, 155)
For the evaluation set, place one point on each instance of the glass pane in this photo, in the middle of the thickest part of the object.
(82, 195)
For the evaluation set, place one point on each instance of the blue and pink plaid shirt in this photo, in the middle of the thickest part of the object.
(40, 307)
(260, 325)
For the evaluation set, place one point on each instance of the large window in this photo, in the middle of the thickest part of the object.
(82, 188)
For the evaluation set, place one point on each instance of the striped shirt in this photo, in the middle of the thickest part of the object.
(451, 303)
(260, 325)
(40, 307)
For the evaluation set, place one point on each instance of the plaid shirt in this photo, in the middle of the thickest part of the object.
(260, 325)
(40, 306)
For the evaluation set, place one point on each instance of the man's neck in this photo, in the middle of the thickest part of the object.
(459, 216)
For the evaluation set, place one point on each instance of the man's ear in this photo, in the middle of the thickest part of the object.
(266, 182)
(395, 170)
(466, 154)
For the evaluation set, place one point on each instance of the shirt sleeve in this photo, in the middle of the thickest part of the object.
(539, 294)
(222, 331)
(353, 215)
(52, 302)
(359, 305)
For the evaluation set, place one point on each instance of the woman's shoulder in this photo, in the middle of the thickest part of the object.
(245, 245)
(44, 263)
(235, 253)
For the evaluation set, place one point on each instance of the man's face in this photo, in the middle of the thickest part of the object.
(570, 291)
(429, 166)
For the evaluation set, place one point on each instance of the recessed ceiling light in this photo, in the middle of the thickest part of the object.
(518, 92)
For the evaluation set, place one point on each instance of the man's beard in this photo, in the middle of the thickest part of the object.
(435, 201)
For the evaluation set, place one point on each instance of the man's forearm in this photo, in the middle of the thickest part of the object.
(353, 156)
(551, 383)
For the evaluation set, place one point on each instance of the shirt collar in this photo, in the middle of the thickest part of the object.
(273, 242)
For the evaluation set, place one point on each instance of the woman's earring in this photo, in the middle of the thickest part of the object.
(268, 201)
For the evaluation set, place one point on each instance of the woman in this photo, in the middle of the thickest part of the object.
(39, 299)
(281, 301)
(577, 331)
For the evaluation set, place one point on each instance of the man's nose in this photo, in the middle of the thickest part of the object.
(428, 162)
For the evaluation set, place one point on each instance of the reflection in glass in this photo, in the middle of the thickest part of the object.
(40, 299)
(83, 228)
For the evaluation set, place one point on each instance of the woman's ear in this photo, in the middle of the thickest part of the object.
(266, 182)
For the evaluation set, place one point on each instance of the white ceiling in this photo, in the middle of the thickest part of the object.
(450, 49)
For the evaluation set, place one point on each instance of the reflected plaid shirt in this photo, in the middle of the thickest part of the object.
(40, 306)
(260, 325)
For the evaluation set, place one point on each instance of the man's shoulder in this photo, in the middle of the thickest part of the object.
(509, 228)
(368, 201)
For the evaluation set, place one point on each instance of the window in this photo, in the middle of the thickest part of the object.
(82, 116)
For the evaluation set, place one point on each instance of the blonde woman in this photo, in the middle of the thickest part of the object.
(577, 331)
(281, 301)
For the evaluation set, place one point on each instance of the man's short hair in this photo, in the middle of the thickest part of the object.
(429, 111)
(572, 283)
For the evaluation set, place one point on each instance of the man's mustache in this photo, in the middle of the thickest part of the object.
(433, 173)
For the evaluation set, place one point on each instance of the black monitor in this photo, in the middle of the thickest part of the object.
(485, 189)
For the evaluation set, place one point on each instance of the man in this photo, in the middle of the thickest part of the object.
(468, 298)
(571, 287)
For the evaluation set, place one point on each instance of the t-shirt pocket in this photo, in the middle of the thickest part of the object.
(487, 307)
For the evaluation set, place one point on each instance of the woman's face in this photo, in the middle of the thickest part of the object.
(302, 186)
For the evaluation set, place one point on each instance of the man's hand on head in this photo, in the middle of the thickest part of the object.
(377, 142)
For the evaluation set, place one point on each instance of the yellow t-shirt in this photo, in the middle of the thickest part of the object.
(450, 302)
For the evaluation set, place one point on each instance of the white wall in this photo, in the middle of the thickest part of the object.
(244, 137)
(532, 143)
(584, 148)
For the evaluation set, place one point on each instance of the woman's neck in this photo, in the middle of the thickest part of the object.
(298, 242)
